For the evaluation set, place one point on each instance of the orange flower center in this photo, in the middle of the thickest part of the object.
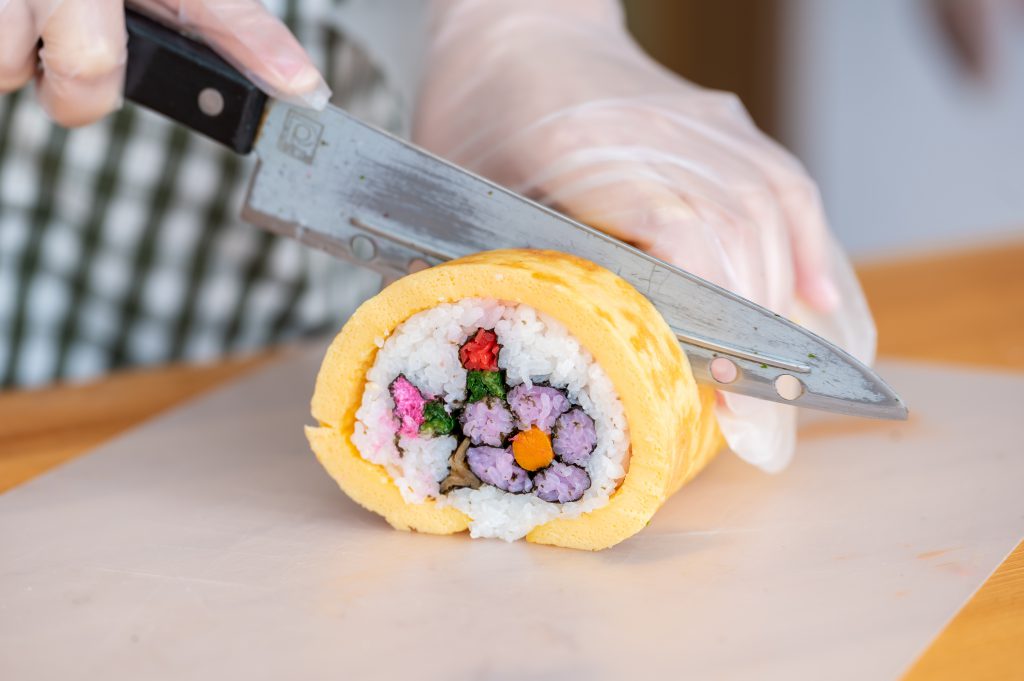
(532, 449)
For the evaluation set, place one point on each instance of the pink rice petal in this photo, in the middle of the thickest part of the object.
(408, 406)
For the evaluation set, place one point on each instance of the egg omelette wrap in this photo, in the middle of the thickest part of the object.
(513, 393)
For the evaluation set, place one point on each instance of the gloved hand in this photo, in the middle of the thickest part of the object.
(974, 32)
(557, 102)
(83, 53)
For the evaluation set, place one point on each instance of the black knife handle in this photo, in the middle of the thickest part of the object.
(189, 83)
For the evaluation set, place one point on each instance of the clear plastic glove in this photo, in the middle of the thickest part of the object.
(556, 101)
(974, 31)
(84, 42)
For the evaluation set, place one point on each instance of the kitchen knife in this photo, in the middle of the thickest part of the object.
(347, 188)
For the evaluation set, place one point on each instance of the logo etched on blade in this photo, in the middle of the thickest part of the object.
(300, 137)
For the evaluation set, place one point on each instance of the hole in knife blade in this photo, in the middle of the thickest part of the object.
(789, 387)
(724, 370)
(363, 247)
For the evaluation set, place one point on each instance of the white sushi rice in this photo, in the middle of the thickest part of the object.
(535, 348)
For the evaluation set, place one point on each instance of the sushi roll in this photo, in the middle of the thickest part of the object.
(515, 394)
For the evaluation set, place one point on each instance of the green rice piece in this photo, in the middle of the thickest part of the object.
(481, 384)
(436, 421)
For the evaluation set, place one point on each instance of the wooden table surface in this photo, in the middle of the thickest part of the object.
(962, 307)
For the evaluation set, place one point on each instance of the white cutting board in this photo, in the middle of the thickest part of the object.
(209, 544)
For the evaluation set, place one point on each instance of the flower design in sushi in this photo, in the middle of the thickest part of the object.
(526, 439)
(511, 433)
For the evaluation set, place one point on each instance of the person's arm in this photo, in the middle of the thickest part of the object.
(79, 70)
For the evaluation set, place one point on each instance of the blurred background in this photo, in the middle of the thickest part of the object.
(908, 113)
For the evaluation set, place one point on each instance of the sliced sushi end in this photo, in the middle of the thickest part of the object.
(496, 466)
(459, 474)
(561, 483)
(679, 434)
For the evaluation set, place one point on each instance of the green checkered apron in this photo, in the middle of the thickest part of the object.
(120, 242)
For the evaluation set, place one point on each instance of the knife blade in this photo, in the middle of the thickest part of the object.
(340, 185)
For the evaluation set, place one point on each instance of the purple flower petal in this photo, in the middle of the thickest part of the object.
(537, 405)
(561, 483)
(497, 467)
(575, 437)
(487, 422)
